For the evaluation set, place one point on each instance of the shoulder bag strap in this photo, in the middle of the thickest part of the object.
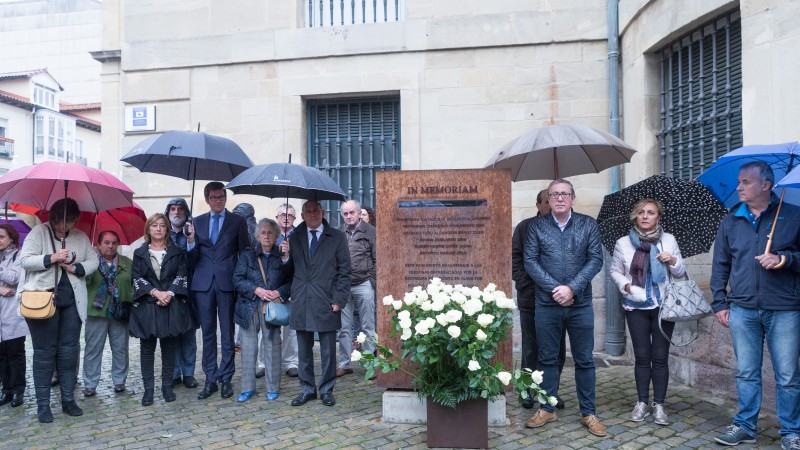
(55, 266)
(263, 277)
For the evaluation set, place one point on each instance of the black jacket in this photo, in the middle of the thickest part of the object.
(571, 257)
(735, 248)
(172, 278)
(523, 282)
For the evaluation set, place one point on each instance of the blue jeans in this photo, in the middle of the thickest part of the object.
(749, 329)
(579, 323)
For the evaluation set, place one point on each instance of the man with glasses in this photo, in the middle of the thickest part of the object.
(214, 241)
(361, 241)
(562, 255)
(285, 216)
(526, 299)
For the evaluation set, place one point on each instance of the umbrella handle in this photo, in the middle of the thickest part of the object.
(774, 222)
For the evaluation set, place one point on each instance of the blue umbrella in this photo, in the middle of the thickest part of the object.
(721, 177)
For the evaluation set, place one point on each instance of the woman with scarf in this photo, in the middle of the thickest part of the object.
(160, 310)
(639, 269)
(110, 294)
(12, 326)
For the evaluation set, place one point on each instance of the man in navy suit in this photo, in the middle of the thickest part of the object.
(214, 245)
(318, 257)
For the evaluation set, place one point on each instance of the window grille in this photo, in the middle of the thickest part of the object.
(351, 140)
(332, 13)
(701, 97)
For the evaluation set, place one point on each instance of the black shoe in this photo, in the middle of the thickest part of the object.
(89, 392)
(559, 403)
(169, 394)
(119, 388)
(227, 390)
(176, 381)
(147, 397)
(291, 372)
(6, 398)
(528, 403)
(208, 389)
(71, 408)
(302, 399)
(328, 399)
(260, 373)
(44, 413)
(189, 382)
(17, 400)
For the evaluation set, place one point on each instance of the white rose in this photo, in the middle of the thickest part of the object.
(437, 305)
(491, 287)
(422, 328)
(454, 315)
(538, 376)
(361, 338)
(552, 400)
(397, 304)
(472, 306)
(436, 281)
(488, 297)
(405, 323)
(485, 320)
(409, 298)
(448, 289)
(505, 303)
(430, 322)
(500, 294)
(459, 298)
(387, 300)
(480, 335)
(473, 365)
(355, 356)
(504, 377)
(426, 306)
(454, 331)
(406, 334)
(442, 319)
(421, 297)
(417, 289)
(404, 314)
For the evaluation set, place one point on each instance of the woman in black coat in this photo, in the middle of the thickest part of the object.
(254, 293)
(160, 309)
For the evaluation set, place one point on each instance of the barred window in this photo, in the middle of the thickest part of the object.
(701, 97)
(351, 140)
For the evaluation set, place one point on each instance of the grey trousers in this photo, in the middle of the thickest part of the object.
(97, 329)
(362, 296)
(270, 350)
(289, 349)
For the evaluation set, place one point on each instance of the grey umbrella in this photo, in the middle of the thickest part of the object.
(559, 151)
(287, 180)
(191, 155)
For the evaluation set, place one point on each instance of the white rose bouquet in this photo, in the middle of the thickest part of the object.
(452, 333)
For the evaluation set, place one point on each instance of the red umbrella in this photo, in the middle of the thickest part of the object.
(127, 222)
(43, 184)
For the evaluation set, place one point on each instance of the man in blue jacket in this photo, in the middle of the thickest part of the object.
(562, 255)
(763, 302)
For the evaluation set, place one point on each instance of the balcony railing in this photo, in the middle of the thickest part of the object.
(334, 13)
(6, 148)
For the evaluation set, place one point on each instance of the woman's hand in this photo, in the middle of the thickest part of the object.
(59, 256)
(665, 257)
(162, 297)
(68, 267)
(628, 288)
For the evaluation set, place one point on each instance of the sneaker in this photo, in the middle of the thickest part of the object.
(659, 416)
(640, 411)
(593, 424)
(540, 418)
(790, 442)
(734, 435)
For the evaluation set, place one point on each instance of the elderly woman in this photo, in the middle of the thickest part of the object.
(254, 292)
(160, 310)
(12, 326)
(57, 246)
(639, 269)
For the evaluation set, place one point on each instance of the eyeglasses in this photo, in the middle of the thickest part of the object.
(564, 195)
(216, 198)
(283, 215)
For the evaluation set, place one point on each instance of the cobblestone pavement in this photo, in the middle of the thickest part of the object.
(119, 421)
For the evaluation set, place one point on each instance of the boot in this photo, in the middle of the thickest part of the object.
(44, 413)
(71, 408)
(169, 394)
(147, 397)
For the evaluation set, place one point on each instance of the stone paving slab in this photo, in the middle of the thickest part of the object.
(118, 421)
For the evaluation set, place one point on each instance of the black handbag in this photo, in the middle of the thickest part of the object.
(122, 310)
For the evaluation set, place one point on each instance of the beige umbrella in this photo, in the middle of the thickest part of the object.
(559, 151)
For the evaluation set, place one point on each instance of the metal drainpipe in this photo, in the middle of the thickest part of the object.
(33, 135)
(615, 319)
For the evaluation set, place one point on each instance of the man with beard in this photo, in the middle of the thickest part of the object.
(186, 344)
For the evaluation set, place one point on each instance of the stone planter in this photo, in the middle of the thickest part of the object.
(464, 427)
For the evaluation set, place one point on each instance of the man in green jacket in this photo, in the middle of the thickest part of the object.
(108, 288)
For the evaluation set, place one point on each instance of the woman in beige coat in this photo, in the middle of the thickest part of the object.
(48, 266)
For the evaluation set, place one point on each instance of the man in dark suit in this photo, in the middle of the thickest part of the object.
(214, 244)
(319, 261)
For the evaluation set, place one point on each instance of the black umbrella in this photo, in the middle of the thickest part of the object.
(691, 212)
(189, 155)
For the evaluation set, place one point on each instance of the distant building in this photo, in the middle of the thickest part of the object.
(36, 125)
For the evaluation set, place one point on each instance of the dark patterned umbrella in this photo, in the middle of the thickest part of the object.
(691, 213)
